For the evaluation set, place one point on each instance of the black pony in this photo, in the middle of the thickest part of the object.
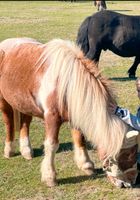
(101, 5)
(114, 31)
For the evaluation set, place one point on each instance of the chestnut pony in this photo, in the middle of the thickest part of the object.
(54, 81)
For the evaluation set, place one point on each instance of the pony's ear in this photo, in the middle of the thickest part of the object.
(2, 53)
(130, 139)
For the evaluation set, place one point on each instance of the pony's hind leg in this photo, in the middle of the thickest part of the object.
(80, 153)
(25, 146)
(51, 144)
(94, 51)
(7, 115)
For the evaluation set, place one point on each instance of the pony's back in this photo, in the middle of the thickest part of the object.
(8, 44)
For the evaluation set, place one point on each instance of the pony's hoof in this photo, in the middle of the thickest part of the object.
(28, 155)
(88, 168)
(50, 182)
(9, 154)
(132, 76)
(9, 149)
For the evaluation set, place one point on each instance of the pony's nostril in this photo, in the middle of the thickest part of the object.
(120, 184)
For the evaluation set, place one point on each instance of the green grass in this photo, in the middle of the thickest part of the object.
(20, 179)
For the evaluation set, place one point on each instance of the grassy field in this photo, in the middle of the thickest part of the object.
(20, 179)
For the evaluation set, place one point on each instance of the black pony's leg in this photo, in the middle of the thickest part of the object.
(105, 7)
(94, 54)
(133, 68)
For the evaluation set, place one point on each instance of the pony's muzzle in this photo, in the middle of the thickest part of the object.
(122, 184)
(119, 183)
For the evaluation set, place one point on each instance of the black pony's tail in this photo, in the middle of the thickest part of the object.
(82, 36)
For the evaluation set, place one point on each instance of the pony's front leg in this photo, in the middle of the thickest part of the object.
(25, 146)
(51, 144)
(80, 153)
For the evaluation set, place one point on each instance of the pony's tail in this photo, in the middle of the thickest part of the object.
(82, 36)
(17, 118)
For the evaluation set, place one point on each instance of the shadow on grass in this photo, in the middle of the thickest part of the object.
(38, 152)
(99, 173)
(123, 79)
(17, 154)
(68, 146)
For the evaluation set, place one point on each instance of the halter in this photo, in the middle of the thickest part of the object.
(111, 166)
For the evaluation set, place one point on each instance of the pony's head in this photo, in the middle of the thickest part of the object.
(122, 171)
(101, 5)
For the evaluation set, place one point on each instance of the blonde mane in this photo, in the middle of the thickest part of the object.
(85, 94)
